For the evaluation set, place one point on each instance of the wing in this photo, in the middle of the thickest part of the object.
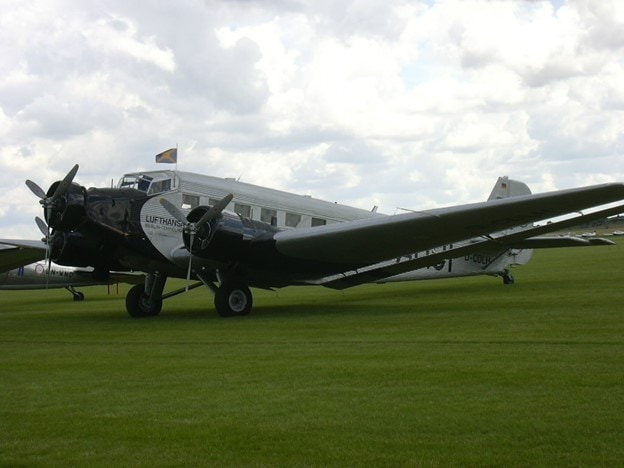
(370, 241)
(16, 253)
(494, 243)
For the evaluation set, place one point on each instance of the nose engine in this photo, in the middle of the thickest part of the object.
(64, 211)
(79, 221)
(63, 203)
(71, 248)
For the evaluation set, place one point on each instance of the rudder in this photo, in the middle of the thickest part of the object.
(506, 188)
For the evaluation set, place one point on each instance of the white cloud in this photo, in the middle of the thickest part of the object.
(118, 35)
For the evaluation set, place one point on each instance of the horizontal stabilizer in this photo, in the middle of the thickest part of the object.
(551, 242)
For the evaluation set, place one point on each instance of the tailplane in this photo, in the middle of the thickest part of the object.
(506, 188)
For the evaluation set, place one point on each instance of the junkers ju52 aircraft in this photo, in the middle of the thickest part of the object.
(232, 236)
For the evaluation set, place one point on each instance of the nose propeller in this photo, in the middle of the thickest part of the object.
(43, 227)
(34, 188)
(48, 202)
(193, 228)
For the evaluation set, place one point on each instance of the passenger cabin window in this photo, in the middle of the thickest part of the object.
(268, 216)
(318, 222)
(189, 201)
(292, 220)
(243, 210)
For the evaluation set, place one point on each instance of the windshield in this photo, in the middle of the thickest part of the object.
(137, 182)
(144, 183)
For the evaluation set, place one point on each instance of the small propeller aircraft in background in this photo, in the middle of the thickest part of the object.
(41, 275)
(232, 236)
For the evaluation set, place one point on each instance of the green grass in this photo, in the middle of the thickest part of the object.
(442, 373)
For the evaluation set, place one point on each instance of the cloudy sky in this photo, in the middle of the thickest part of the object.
(409, 103)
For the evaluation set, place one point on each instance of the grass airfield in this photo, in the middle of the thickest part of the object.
(443, 373)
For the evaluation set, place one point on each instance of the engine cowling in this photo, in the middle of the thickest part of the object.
(67, 210)
(226, 237)
(203, 235)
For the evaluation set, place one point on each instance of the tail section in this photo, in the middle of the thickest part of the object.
(506, 188)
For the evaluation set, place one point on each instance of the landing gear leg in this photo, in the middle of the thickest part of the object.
(508, 278)
(145, 300)
(78, 296)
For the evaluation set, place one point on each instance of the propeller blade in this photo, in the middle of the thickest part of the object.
(48, 254)
(49, 262)
(45, 230)
(188, 273)
(215, 210)
(65, 183)
(34, 188)
(173, 210)
(43, 227)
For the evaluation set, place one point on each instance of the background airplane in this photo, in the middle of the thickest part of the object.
(231, 235)
(40, 275)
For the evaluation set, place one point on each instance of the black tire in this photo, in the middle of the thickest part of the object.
(78, 297)
(138, 304)
(233, 300)
(508, 279)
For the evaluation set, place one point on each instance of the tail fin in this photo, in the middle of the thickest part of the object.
(506, 188)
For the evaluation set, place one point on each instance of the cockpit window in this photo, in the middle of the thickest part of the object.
(145, 183)
(141, 183)
(159, 187)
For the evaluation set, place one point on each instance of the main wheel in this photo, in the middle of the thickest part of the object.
(139, 305)
(233, 299)
(508, 278)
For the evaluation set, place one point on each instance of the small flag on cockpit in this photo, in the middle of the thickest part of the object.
(168, 157)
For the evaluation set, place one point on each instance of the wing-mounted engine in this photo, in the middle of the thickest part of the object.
(201, 225)
(210, 232)
(197, 235)
(225, 237)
